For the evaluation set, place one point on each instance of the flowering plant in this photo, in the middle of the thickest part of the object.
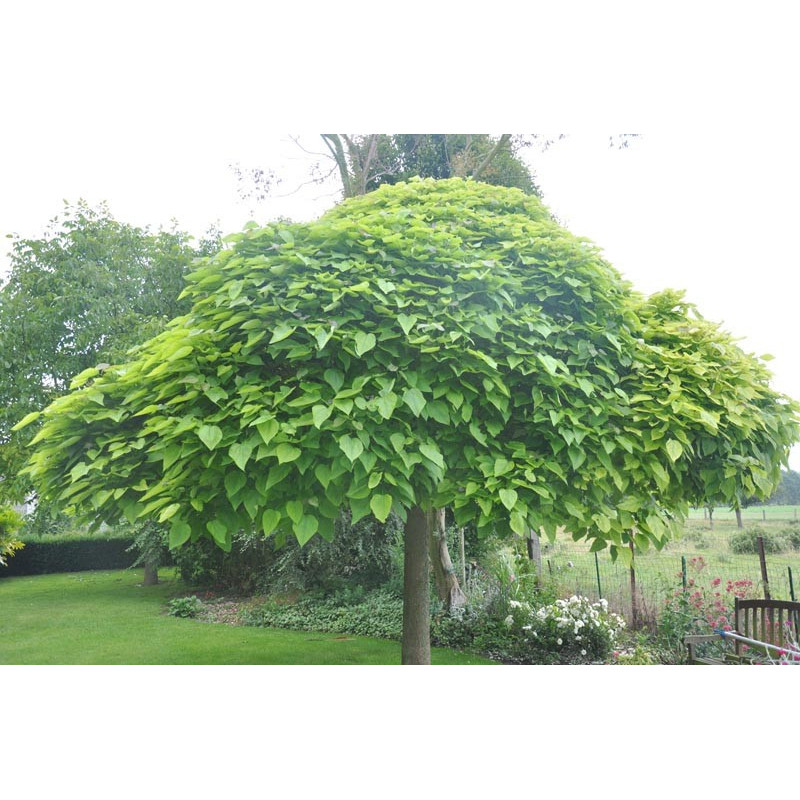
(701, 607)
(573, 630)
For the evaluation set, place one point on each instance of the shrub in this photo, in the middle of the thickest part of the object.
(377, 613)
(73, 553)
(185, 606)
(563, 632)
(243, 570)
(746, 541)
(791, 533)
(367, 554)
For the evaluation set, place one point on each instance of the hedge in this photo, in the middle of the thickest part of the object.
(76, 554)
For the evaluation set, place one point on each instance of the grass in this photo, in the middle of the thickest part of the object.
(110, 618)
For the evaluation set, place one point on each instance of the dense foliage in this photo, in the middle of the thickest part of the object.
(80, 295)
(10, 523)
(438, 343)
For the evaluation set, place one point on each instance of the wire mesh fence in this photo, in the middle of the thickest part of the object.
(702, 554)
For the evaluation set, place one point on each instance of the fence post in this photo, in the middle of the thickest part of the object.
(634, 603)
(764, 516)
(597, 569)
(763, 559)
(791, 585)
(683, 572)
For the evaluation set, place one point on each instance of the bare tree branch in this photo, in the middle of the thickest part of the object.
(501, 142)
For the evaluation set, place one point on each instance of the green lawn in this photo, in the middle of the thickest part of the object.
(110, 618)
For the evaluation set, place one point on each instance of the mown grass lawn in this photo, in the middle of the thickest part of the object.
(110, 618)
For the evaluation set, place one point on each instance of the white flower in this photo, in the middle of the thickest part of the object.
(559, 642)
(583, 652)
(514, 604)
(509, 621)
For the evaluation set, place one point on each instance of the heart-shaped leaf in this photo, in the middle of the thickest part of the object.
(179, 533)
(381, 505)
(269, 521)
(351, 447)
(508, 497)
(210, 435)
(364, 342)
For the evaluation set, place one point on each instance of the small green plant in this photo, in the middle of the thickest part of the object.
(185, 606)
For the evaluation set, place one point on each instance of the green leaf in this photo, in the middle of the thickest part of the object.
(351, 447)
(334, 378)
(415, 400)
(210, 435)
(181, 352)
(240, 453)
(364, 342)
(218, 530)
(508, 497)
(432, 453)
(406, 322)
(287, 453)
(323, 337)
(319, 414)
(518, 524)
(269, 521)
(305, 528)
(26, 420)
(294, 510)
(674, 449)
(387, 404)
(179, 533)
(78, 471)
(281, 332)
(576, 456)
(169, 512)
(234, 481)
(268, 429)
(381, 505)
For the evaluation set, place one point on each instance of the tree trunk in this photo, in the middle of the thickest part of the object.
(444, 573)
(535, 551)
(711, 517)
(416, 648)
(739, 523)
(150, 573)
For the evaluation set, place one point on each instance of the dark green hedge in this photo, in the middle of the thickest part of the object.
(40, 556)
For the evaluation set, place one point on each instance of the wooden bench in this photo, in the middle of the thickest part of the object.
(771, 621)
(775, 622)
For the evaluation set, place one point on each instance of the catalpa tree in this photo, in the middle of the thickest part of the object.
(432, 344)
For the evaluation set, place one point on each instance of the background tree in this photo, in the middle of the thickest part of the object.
(432, 344)
(81, 295)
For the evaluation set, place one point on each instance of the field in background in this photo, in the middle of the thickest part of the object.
(659, 573)
(750, 515)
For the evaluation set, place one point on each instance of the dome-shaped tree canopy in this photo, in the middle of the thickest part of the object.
(433, 343)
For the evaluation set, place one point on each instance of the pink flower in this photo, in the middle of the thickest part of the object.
(716, 582)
